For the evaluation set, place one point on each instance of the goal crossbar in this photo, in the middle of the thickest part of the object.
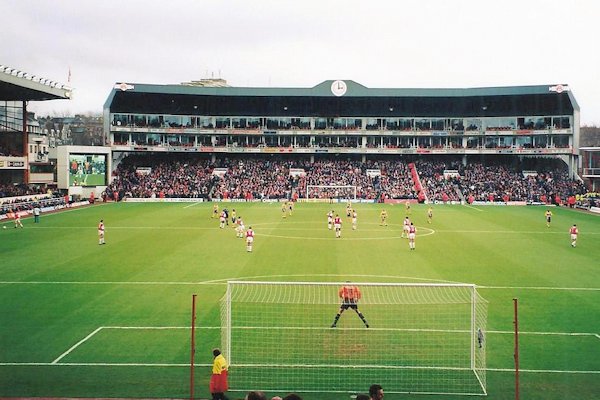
(337, 284)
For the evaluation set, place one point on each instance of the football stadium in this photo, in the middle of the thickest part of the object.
(438, 242)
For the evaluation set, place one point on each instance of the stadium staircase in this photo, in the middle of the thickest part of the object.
(421, 192)
(118, 159)
(460, 195)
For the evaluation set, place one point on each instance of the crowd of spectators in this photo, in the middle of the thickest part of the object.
(267, 179)
(187, 175)
(20, 189)
(254, 179)
(436, 185)
(168, 176)
(496, 182)
(270, 178)
(339, 173)
(16, 205)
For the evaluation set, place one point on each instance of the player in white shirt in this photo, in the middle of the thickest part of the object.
(222, 220)
(405, 227)
(101, 232)
(240, 228)
(330, 219)
(354, 219)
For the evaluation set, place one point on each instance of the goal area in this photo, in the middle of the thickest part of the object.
(421, 338)
(344, 192)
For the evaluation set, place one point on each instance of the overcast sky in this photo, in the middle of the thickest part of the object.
(278, 43)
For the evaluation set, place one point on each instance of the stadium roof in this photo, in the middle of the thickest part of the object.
(17, 85)
(354, 90)
(182, 99)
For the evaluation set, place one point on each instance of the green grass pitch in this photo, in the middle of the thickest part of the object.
(82, 320)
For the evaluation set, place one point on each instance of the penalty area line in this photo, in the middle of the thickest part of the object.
(537, 288)
(76, 345)
(543, 371)
(41, 364)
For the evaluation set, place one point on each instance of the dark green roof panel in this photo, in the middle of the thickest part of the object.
(357, 101)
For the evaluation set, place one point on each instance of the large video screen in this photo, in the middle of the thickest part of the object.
(87, 169)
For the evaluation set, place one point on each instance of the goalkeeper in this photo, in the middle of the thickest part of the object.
(350, 296)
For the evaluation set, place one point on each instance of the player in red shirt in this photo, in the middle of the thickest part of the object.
(350, 295)
(574, 232)
(17, 217)
(249, 239)
(412, 233)
(337, 224)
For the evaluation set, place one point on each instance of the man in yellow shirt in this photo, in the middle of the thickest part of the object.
(218, 380)
(548, 215)
(383, 216)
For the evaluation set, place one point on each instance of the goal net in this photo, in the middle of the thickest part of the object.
(422, 338)
(347, 192)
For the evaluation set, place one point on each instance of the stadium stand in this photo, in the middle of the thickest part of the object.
(268, 178)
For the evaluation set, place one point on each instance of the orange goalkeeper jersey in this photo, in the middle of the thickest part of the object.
(349, 293)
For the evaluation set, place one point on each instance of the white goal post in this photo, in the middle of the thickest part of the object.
(347, 192)
(421, 338)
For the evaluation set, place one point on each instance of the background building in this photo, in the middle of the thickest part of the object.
(23, 144)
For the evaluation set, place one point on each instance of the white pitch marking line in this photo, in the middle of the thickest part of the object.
(162, 365)
(474, 208)
(278, 228)
(76, 345)
(224, 281)
(352, 329)
(536, 288)
(193, 204)
(103, 364)
(126, 327)
(111, 283)
(160, 327)
(542, 371)
(546, 333)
